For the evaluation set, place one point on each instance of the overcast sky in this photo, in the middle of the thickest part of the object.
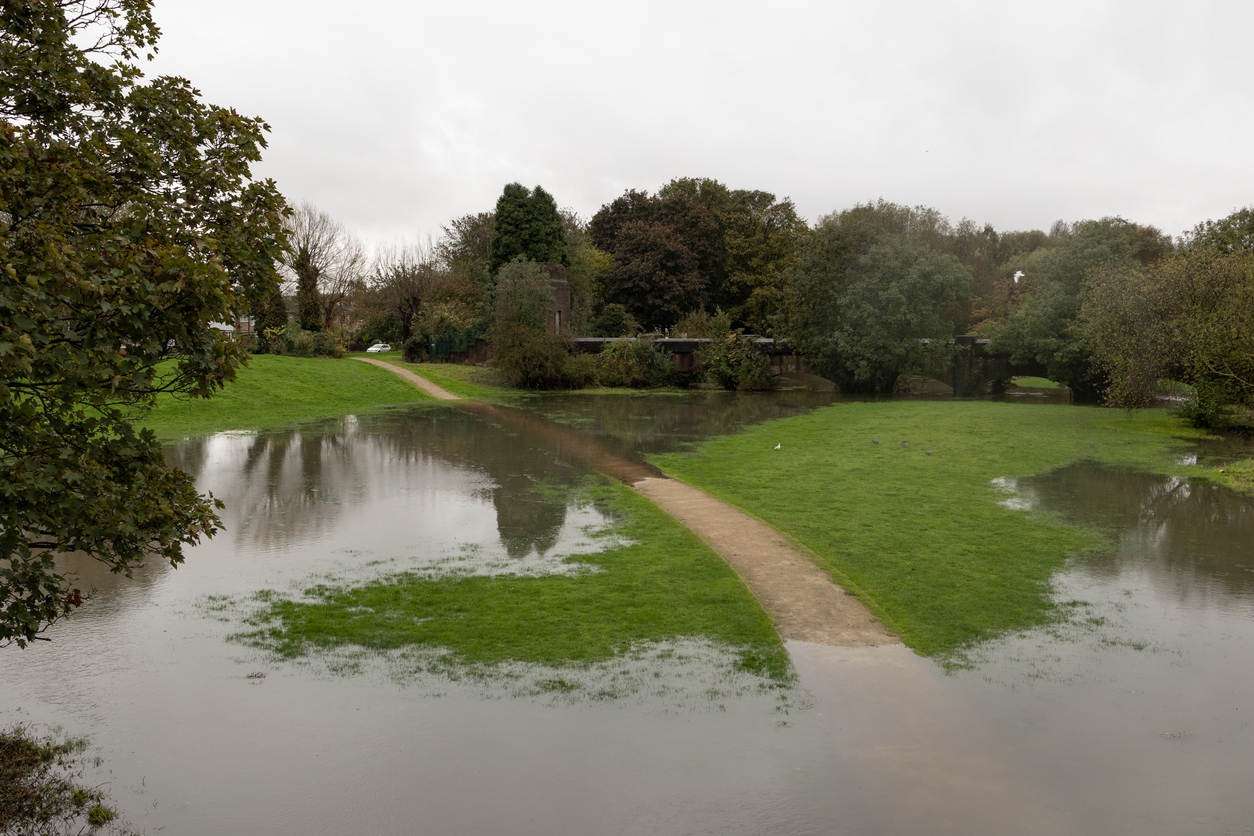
(396, 116)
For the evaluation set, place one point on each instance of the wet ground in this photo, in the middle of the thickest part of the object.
(1135, 717)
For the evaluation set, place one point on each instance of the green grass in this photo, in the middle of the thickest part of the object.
(477, 382)
(922, 538)
(667, 585)
(276, 391)
(488, 384)
(1037, 383)
(1238, 475)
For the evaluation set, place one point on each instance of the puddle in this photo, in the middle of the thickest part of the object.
(1139, 710)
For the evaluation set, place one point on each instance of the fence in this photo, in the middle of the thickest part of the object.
(459, 346)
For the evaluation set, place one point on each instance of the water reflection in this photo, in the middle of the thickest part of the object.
(1112, 734)
(634, 425)
(1193, 538)
(293, 487)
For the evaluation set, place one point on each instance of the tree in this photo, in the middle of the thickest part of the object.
(716, 247)
(328, 262)
(523, 349)
(129, 221)
(526, 225)
(1231, 234)
(1188, 317)
(269, 314)
(465, 250)
(404, 276)
(666, 255)
(867, 306)
(1044, 326)
(586, 270)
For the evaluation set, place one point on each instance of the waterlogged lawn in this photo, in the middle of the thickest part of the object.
(275, 391)
(922, 538)
(666, 585)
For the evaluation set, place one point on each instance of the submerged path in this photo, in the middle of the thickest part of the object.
(801, 599)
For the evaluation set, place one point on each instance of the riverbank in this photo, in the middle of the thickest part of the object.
(900, 501)
(273, 391)
(655, 582)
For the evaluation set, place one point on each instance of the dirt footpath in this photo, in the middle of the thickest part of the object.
(800, 598)
(421, 382)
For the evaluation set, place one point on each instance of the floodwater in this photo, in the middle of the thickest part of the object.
(1132, 717)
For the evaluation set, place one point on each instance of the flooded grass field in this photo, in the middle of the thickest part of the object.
(1130, 716)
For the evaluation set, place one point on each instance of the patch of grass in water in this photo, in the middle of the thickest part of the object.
(1036, 383)
(41, 789)
(922, 538)
(666, 585)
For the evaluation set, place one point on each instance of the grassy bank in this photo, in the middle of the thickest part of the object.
(478, 382)
(666, 585)
(487, 384)
(274, 391)
(922, 537)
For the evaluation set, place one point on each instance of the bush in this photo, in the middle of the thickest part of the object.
(295, 342)
(638, 364)
(414, 350)
(41, 790)
(522, 348)
(532, 359)
(732, 361)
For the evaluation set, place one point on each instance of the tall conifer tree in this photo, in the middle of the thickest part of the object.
(527, 225)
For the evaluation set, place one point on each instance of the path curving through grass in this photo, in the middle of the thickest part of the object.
(801, 600)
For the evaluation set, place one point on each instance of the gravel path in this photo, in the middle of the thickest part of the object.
(421, 382)
(801, 599)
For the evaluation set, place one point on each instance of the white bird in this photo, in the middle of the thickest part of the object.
(777, 446)
(1018, 275)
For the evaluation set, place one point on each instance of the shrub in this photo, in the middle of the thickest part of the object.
(532, 359)
(638, 364)
(414, 349)
(522, 348)
(294, 341)
(40, 789)
(732, 361)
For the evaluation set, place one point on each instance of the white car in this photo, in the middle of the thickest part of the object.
(378, 347)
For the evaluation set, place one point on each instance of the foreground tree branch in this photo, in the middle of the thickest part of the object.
(129, 221)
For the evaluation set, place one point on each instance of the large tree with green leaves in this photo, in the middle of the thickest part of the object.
(866, 305)
(1044, 326)
(129, 221)
(526, 226)
(1188, 318)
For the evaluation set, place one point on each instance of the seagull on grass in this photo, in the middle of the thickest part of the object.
(777, 446)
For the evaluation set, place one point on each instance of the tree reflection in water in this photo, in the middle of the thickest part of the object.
(1192, 537)
(292, 486)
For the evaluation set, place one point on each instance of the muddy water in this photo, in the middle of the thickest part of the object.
(1141, 711)
(1132, 718)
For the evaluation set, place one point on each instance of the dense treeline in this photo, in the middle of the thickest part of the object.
(869, 293)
